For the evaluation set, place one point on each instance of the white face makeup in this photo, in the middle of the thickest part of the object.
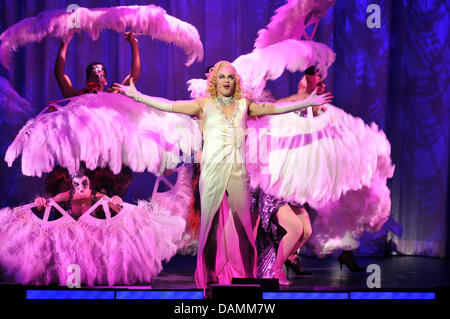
(81, 185)
(226, 81)
(98, 76)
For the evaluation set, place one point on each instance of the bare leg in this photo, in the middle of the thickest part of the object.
(303, 216)
(294, 228)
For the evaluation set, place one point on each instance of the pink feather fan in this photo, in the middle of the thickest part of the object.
(291, 20)
(150, 19)
(269, 63)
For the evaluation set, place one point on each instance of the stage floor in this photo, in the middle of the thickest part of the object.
(406, 283)
(396, 272)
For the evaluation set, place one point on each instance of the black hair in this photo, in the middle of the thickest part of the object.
(311, 70)
(208, 69)
(82, 171)
(90, 67)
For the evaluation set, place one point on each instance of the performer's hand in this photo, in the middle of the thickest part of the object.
(40, 201)
(116, 200)
(315, 99)
(131, 38)
(168, 172)
(66, 41)
(129, 90)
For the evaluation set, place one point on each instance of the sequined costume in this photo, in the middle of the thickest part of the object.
(270, 232)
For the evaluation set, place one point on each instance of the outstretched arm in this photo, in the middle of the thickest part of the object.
(65, 85)
(292, 98)
(258, 109)
(135, 71)
(189, 107)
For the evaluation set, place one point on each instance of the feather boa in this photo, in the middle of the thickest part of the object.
(150, 19)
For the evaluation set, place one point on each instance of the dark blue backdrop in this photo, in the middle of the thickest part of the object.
(395, 76)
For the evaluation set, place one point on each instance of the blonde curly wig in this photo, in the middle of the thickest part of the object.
(212, 80)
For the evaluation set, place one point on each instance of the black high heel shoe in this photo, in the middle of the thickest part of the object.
(347, 258)
(293, 262)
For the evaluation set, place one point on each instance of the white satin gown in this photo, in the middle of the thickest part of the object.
(226, 243)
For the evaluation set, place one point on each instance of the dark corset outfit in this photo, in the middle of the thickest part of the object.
(69, 204)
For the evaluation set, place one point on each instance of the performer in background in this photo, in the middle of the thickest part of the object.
(340, 220)
(80, 197)
(284, 227)
(113, 242)
(96, 81)
(310, 82)
(226, 243)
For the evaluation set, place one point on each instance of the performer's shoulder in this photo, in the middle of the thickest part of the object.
(247, 101)
(202, 101)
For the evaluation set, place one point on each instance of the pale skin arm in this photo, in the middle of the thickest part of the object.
(301, 96)
(188, 107)
(64, 83)
(259, 109)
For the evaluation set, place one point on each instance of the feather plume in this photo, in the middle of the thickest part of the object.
(305, 159)
(150, 19)
(198, 88)
(269, 63)
(105, 129)
(288, 22)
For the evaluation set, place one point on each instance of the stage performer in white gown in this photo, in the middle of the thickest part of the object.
(304, 157)
(226, 243)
